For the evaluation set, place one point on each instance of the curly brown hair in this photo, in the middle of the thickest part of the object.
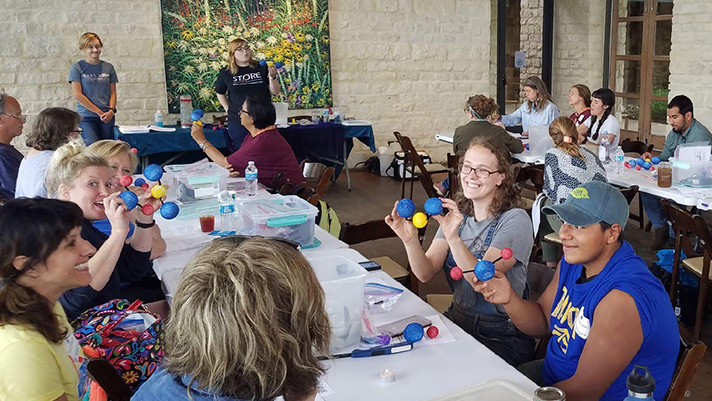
(481, 106)
(507, 196)
(53, 128)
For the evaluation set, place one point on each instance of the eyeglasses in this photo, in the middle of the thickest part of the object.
(78, 131)
(243, 111)
(243, 49)
(238, 239)
(479, 171)
(20, 117)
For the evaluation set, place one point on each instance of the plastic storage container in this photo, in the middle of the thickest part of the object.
(343, 282)
(279, 216)
(539, 139)
(698, 174)
(200, 180)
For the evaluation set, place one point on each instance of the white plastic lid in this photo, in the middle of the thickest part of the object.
(250, 163)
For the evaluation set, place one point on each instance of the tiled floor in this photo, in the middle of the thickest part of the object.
(372, 197)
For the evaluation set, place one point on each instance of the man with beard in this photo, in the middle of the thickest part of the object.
(685, 129)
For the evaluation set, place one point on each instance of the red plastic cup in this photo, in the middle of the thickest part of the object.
(207, 223)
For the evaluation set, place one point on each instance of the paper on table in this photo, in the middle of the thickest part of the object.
(355, 122)
(322, 390)
(134, 129)
(162, 129)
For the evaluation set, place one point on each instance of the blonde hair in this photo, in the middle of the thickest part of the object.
(108, 148)
(88, 37)
(67, 162)
(231, 47)
(246, 319)
(565, 137)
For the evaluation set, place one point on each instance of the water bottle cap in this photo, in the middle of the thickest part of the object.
(250, 163)
(641, 383)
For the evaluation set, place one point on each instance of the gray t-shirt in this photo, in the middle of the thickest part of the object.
(31, 176)
(514, 230)
(96, 83)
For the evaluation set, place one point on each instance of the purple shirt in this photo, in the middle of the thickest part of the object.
(271, 154)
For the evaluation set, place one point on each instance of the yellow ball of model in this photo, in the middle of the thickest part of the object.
(158, 192)
(420, 220)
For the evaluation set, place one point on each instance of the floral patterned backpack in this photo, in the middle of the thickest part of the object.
(126, 334)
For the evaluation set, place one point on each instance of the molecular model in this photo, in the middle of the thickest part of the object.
(641, 164)
(484, 269)
(152, 172)
(406, 209)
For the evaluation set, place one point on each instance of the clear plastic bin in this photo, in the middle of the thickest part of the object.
(343, 281)
(288, 217)
(200, 180)
(697, 174)
(539, 139)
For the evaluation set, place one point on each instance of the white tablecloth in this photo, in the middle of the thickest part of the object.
(426, 372)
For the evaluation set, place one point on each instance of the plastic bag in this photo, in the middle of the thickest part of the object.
(380, 297)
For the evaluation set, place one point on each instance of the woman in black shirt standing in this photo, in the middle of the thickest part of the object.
(243, 77)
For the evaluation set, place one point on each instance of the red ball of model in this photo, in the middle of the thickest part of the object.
(456, 273)
(506, 253)
(638, 167)
(126, 180)
(145, 185)
(134, 150)
(148, 209)
(432, 332)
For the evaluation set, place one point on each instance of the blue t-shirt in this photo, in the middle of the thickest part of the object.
(10, 159)
(164, 386)
(96, 83)
(572, 317)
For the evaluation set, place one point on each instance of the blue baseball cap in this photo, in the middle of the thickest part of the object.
(591, 203)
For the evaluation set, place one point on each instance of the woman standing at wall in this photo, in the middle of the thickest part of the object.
(94, 86)
(243, 77)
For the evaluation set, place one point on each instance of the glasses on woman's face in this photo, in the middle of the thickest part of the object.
(243, 49)
(480, 172)
(239, 112)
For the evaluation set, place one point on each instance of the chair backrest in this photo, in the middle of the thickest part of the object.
(689, 358)
(536, 175)
(629, 193)
(370, 231)
(638, 147)
(413, 159)
(453, 162)
(106, 376)
(319, 172)
(688, 228)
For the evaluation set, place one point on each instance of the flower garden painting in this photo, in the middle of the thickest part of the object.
(292, 34)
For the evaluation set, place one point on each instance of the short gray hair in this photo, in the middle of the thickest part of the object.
(3, 97)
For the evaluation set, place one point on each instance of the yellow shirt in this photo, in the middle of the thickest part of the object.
(34, 369)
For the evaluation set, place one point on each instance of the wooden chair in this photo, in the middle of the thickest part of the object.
(317, 175)
(638, 147)
(219, 120)
(108, 378)
(536, 175)
(415, 166)
(628, 193)
(689, 228)
(453, 163)
(688, 360)
(378, 229)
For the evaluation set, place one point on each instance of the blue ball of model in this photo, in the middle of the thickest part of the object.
(655, 160)
(647, 165)
(405, 208)
(433, 206)
(484, 270)
(130, 199)
(169, 210)
(641, 161)
(139, 182)
(633, 162)
(153, 172)
(413, 332)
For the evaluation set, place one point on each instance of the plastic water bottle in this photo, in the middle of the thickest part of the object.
(640, 386)
(227, 211)
(251, 179)
(603, 150)
(618, 157)
(158, 118)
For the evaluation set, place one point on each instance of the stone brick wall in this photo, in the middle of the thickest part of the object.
(405, 65)
(39, 46)
(691, 56)
(579, 33)
(530, 39)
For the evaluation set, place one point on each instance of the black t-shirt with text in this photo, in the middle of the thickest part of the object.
(249, 81)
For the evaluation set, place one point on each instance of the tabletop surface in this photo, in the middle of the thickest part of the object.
(428, 371)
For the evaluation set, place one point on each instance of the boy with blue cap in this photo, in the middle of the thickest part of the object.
(604, 309)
